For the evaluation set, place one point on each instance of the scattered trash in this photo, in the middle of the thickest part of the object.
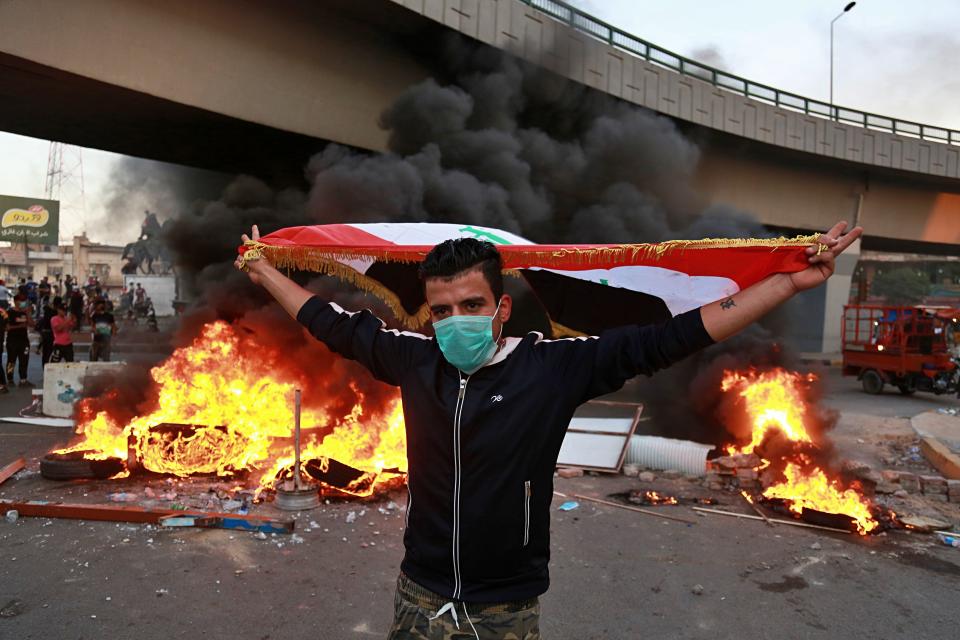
(12, 516)
(628, 508)
(569, 505)
(949, 538)
(952, 411)
(816, 546)
(12, 609)
(351, 517)
(122, 497)
(923, 524)
(697, 590)
(162, 592)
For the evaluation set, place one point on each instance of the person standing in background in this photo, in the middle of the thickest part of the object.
(62, 324)
(46, 329)
(3, 332)
(18, 342)
(4, 295)
(76, 306)
(104, 328)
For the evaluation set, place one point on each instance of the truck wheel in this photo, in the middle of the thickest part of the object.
(872, 382)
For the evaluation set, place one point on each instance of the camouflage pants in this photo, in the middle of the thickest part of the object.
(415, 617)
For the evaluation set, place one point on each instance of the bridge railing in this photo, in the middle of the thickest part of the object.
(650, 52)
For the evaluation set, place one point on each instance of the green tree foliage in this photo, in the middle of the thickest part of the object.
(901, 286)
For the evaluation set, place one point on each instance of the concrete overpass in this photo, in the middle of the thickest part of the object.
(241, 85)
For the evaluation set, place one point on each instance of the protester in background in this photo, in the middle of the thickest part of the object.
(139, 294)
(46, 329)
(31, 286)
(76, 306)
(3, 331)
(68, 286)
(43, 294)
(4, 295)
(62, 324)
(104, 328)
(18, 343)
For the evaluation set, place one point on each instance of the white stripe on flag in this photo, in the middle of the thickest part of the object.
(680, 291)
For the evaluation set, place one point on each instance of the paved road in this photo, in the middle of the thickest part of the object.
(616, 574)
(845, 394)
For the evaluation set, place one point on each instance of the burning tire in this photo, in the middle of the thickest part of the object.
(73, 466)
(872, 382)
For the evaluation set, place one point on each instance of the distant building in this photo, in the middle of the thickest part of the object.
(83, 259)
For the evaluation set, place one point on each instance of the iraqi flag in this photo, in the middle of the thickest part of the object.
(583, 289)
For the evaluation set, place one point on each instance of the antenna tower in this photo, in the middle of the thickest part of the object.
(64, 181)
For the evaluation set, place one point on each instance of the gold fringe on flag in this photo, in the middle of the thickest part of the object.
(306, 258)
(329, 261)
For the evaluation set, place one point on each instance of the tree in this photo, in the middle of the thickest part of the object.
(901, 286)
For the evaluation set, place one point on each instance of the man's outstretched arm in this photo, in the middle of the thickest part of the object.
(359, 336)
(727, 317)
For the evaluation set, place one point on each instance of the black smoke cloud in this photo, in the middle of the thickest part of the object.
(505, 145)
(137, 184)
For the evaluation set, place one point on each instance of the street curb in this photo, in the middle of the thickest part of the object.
(941, 457)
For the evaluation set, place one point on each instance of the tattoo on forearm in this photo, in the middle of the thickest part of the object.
(726, 304)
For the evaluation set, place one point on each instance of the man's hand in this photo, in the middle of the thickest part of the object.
(288, 293)
(822, 264)
(257, 268)
(724, 318)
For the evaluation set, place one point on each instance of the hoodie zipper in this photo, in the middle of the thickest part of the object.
(526, 512)
(406, 521)
(457, 581)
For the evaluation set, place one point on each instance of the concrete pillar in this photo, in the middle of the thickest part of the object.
(837, 295)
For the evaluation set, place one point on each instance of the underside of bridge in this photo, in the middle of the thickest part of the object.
(267, 124)
(50, 104)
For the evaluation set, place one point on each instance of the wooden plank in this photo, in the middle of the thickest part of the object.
(12, 468)
(627, 508)
(941, 457)
(792, 523)
(126, 513)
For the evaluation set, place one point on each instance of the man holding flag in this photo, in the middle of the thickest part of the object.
(486, 415)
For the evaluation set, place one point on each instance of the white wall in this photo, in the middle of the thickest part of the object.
(162, 290)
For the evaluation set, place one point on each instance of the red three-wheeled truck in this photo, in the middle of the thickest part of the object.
(911, 348)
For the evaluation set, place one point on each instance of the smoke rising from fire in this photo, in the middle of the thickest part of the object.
(138, 184)
(503, 144)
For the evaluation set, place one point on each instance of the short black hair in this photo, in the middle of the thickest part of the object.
(450, 258)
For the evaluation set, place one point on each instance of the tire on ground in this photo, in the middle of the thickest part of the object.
(73, 466)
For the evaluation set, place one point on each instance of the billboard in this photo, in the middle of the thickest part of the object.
(29, 220)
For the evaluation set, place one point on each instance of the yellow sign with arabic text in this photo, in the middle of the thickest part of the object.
(29, 220)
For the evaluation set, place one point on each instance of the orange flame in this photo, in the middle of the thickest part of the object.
(653, 497)
(811, 489)
(774, 401)
(225, 405)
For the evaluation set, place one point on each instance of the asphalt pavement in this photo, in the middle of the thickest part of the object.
(615, 573)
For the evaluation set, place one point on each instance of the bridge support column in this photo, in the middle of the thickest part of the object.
(837, 294)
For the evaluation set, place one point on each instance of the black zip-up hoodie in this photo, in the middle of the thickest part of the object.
(482, 448)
